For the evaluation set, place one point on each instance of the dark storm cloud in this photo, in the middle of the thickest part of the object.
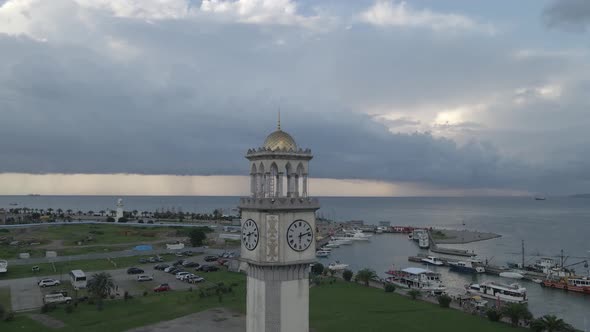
(569, 14)
(190, 97)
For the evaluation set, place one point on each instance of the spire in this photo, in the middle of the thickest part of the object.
(279, 122)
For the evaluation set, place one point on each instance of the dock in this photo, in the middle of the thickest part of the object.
(447, 251)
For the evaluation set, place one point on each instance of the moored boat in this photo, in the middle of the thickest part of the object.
(511, 275)
(513, 293)
(337, 266)
(466, 267)
(571, 283)
(322, 253)
(417, 278)
(432, 261)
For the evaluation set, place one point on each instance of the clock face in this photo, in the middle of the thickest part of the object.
(250, 234)
(299, 235)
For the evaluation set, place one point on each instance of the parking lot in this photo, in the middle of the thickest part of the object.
(26, 294)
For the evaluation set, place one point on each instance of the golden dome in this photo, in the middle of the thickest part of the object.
(279, 140)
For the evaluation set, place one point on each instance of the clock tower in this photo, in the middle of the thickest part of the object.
(278, 236)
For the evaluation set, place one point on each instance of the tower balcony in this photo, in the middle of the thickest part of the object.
(280, 203)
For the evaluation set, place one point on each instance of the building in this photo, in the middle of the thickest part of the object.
(278, 236)
(119, 213)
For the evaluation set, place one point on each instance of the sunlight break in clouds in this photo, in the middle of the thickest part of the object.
(391, 13)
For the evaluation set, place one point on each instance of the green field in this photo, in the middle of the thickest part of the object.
(5, 298)
(63, 268)
(338, 307)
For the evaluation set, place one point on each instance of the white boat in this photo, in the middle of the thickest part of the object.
(357, 233)
(322, 253)
(513, 293)
(433, 261)
(3, 266)
(466, 267)
(423, 241)
(337, 266)
(511, 275)
(417, 278)
(331, 245)
(353, 237)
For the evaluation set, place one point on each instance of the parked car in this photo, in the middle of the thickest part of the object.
(180, 274)
(179, 254)
(211, 258)
(144, 277)
(208, 268)
(178, 262)
(167, 269)
(191, 264)
(61, 291)
(174, 270)
(195, 279)
(187, 253)
(152, 259)
(184, 277)
(159, 258)
(48, 282)
(57, 298)
(161, 267)
(134, 270)
(162, 288)
(143, 260)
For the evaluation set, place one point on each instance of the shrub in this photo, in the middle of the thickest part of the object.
(145, 293)
(347, 275)
(414, 293)
(317, 268)
(389, 288)
(444, 301)
(9, 316)
(127, 296)
(69, 308)
(2, 311)
(493, 315)
(110, 219)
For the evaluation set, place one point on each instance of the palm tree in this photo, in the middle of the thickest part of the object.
(365, 275)
(100, 285)
(50, 211)
(101, 213)
(69, 211)
(550, 323)
(516, 312)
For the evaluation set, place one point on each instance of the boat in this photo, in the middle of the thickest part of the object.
(537, 281)
(332, 244)
(432, 261)
(322, 253)
(576, 284)
(466, 267)
(410, 236)
(417, 278)
(337, 266)
(511, 275)
(513, 293)
(540, 198)
(3, 266)
(13, 204)
(542, 265)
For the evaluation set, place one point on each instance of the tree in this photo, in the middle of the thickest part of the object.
(347, 275)
(444, 301)
(100, 285)
(389, 288)
(493, 315)
(516, 312)
(122, 219)
(365, 275)
(317, 268)
(550, 323)
(197, 237)
(414, 293)
(110, 219)
(101, 213)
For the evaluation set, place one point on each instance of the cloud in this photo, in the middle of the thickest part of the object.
(399, 14)
(123, 90)
(569, 14)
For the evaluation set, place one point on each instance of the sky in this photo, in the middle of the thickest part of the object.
(395, 98)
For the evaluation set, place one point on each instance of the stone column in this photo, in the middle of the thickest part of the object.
(253, 187)
(280, 185)
(296, 186)
(289, 185)
(304, 194)
(259, 185)
(267, 185)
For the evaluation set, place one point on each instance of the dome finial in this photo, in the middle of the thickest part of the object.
(279, 122)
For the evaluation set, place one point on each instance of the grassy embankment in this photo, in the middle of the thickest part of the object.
(94, 238)
(338, 307)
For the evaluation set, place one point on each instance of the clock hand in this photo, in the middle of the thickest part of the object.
(302, 234)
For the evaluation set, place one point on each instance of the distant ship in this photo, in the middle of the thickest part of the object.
(540, 198)
(34, 195)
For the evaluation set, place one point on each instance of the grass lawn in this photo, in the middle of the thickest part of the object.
(349, 307)
(5, 298)
(46, 269)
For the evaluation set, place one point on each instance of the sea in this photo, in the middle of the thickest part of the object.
(547, 228)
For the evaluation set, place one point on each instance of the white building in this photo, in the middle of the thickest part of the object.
(119, 213)
(278, 236)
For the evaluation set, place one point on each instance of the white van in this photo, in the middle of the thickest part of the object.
(78, 279)
(57, 298)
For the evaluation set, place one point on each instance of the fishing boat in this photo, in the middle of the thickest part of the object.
(337, 266)
(417, 278)
(511, 275)
(3, 266)
(431, 260)
(571, 284)
(513, 293)
(466, 267)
